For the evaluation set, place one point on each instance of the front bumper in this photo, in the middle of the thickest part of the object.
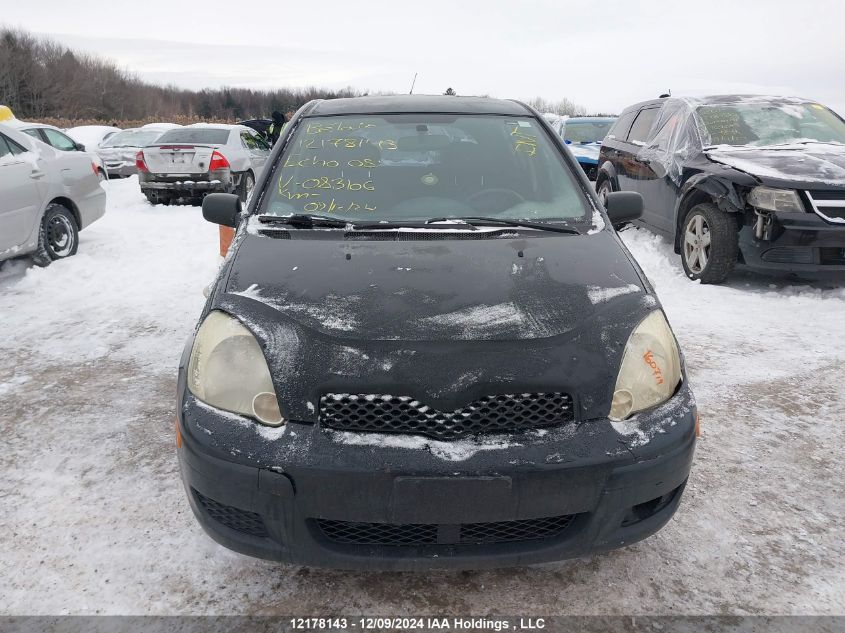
(317, 497)
(801, 245)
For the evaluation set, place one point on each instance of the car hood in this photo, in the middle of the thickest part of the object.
(585, 150)
(796, 165)
(440, 290)
(443, 320)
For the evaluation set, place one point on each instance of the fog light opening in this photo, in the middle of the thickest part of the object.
(643, 511)
(265, 407)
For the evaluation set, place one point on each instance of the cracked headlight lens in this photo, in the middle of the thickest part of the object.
(227, 370)
(771, 199)
(650, 370)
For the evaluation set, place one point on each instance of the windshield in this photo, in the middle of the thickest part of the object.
(586, 132)
(420, 166)
(208, 136)
(768, 123)
(131, 138)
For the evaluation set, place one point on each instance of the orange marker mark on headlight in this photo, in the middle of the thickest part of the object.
(648, 357)
(178, 433)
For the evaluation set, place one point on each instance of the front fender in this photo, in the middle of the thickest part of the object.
(724, 192)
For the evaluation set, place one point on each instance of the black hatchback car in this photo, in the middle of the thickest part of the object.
(428, 348)
(758, 181)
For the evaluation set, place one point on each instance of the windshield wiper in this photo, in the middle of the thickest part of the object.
(307, 221)
(413, 224)
(485, 221)
(303, 221)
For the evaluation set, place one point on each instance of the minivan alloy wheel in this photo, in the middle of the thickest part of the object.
(709, 243)
(697, 243)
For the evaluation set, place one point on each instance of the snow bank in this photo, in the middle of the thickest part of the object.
(133, 291)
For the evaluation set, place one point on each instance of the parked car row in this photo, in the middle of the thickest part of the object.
(750, 180)
(120, 152)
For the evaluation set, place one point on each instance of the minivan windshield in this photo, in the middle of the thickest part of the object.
(768, 123)
(415, 167)
(132, 138)
(586, 131)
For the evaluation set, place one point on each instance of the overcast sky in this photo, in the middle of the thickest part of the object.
(603, 55)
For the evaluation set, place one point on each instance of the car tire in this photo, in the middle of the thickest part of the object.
(605, 187)
(246, 186)
(709, 243)
(58, 235)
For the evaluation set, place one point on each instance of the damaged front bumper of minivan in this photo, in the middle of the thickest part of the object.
(801, 244)
(310, 495)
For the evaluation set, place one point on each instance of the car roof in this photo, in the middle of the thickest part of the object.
(589, 119)
(218, 126)
(15, 133)
(27, 125)
(724, 99)
(94, 127)
(159, 126)
(398, 104)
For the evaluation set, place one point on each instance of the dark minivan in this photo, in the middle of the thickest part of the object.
(428, 348)
(754, 180)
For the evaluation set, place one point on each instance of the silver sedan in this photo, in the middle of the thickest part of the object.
(46, 197)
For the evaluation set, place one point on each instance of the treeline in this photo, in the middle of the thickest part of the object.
(42, 79)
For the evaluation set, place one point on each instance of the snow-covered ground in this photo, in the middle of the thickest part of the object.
(94, 519)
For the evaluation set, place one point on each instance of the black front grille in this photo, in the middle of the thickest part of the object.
(378, 533)
(234, 518)
(351, 533)
(403, 414)
(511, 531)
(790, 255)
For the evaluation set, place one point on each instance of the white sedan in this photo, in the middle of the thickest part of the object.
(46, 197)
(92, 136)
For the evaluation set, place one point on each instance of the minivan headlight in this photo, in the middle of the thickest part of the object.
(227, 370)
(771, 199)
(650, 370)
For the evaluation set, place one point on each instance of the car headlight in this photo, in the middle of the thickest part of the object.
(771, 199)
(650, 370)
(227, 370)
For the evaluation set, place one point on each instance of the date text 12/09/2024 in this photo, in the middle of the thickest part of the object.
(417, 624)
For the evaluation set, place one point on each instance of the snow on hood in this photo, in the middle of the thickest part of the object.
(822, 163)
(489, 289)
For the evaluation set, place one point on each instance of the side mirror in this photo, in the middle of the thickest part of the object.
(622, 206)
(222, 208)
(79, 147)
